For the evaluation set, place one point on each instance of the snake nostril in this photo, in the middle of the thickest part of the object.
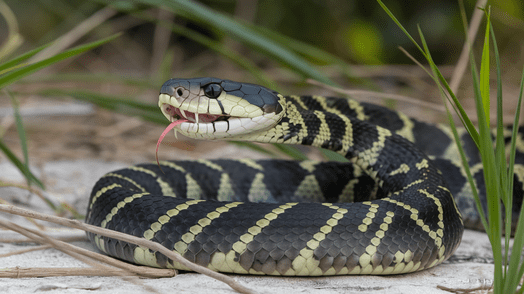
(179, 92)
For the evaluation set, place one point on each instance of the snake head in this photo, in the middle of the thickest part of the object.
(219, 109)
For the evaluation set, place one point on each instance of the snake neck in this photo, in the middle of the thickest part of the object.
(343, 129)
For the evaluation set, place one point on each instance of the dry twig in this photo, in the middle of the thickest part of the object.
(402, 98)
(462, 64)
(466, 290)
(77, 251)
(127, 238)
(75, 34)
(35, 248)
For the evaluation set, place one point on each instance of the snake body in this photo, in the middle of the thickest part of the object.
(390, 211)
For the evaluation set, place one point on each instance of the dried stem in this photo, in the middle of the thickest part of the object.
(127, 238)
(410, 100)
(76, 251)
(462, 64)
(36, 248)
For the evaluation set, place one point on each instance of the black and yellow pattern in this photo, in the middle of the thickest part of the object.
(389, 212)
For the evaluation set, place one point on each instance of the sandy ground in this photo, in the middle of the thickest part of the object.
(71, 181)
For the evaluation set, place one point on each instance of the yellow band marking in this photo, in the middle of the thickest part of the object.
(143, 255)
(102, 191)
(366, 258)
(324, 132)
(166, 189)
(181, 246)
(172, 165)
(309, 165)
(368, 220)
(305, 263)
(435, 235)
(225, 190)
(422, 164)
(258, 191)
(240, 246)
(347, 140)
(407, 128)
(117, 207)
(251, 163)
(157, 226)
(403, 169)
(210, 164)
(309, 190)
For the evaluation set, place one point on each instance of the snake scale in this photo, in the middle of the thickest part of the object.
(390, 211)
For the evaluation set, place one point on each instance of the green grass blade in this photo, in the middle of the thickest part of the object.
(92, 78)
(111, 102)
(240, 60)
(468, 124)
(500, 144)
(500, 153)
(441, 80)
(19, 126)
(15, 62)
(516, 268)
(244, 34)
(304, 49)
(21, 132)
(465, 164)
(333, 156)
(484, 73)
(19, 73)
(217, 46)
(397, 22)
(443, 85)
(291, 151)
(124, 105)
(491, 178)
(20, 165)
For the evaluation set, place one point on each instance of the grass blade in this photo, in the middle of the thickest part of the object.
(217, 20)
(491, 178)
(515, 268)
(21, 133)
(19, 73)
(20, 165)
(441, 80)
(217, 46)
(500, 152)
(484, 73)
(124, 105)
(291, 151)
(14, 63)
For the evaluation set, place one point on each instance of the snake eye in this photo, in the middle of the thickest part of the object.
(212, 90)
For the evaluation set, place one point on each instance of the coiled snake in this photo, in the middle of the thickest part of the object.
(388, 212)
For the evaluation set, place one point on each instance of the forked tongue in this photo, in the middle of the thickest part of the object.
(164, 133)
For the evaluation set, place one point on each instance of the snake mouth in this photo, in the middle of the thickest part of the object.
(177, 114)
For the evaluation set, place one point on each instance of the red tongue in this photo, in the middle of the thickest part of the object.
(164, 133)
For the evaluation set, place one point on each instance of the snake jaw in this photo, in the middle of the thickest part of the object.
(177, 113)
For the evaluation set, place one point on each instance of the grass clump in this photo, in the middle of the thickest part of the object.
(498, 170)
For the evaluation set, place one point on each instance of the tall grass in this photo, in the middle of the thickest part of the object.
(498, 172)
(15, 69)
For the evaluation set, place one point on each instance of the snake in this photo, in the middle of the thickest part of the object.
(389, 209)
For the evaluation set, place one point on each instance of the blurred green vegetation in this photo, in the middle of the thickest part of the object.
(356, 31)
